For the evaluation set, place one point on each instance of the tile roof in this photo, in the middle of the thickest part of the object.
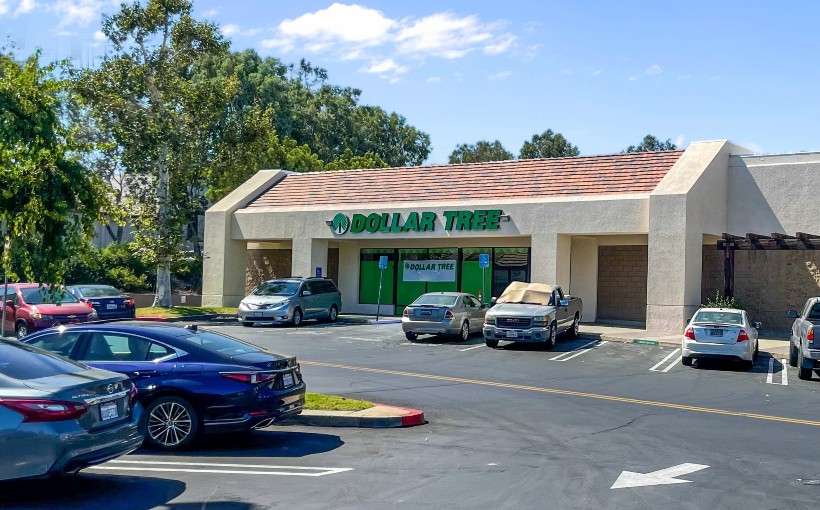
(523, 178)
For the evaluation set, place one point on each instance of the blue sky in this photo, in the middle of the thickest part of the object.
(602, 73)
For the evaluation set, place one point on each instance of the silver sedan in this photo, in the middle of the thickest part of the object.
(57, 416)
(444, 313)
(720, 333)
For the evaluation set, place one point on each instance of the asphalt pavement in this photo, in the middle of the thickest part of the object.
(589, 424)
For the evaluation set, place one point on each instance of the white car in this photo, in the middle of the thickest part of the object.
(724, 333)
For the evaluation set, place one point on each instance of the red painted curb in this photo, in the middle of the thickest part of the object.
(409, 417)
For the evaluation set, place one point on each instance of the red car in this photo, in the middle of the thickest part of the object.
(29, 307)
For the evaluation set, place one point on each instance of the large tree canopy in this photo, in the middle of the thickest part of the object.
(652, 144)
(481, 152)
(49, 200)
(548, 145)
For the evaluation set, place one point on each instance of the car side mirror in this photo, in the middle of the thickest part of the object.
(564, 303)
(10, 302)
(757, 325)
(493, 301)
(793, 314)
(306, 293)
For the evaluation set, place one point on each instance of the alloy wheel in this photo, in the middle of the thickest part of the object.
(465, 331)
(169, 424)
(22, 330)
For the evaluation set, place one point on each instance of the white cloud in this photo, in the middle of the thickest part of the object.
(232, 29)
(385, 68)
(99, 38)
(210, 13)
(596, 72)
(25, 6)
(651, 70)
(354, 32)
(80, 12)
(679, 140)
(4, 7)
(433, 79)
(499, 76)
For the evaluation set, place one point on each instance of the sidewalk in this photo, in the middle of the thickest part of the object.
(377, 417)
(776, 343)
(350, 318)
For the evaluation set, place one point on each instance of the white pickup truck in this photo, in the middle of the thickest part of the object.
(532, 312)
(805, 340)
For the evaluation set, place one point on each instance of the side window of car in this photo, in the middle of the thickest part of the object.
(58, 343)
(475, 302)
(117, 347)
(314, 287)
(157, 351)
(331, 287)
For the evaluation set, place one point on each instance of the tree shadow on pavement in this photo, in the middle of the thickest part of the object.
(90, 490)
(211, 505)
(270, 443)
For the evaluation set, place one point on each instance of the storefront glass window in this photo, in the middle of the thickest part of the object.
(509, 265)
(471, 273)
(369, 274)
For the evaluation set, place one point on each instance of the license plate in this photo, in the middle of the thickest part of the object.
(111, 306)
(512, 334)
(287, 380)
(257, 314)
(426, 312)
(108, 411)
(715, 332)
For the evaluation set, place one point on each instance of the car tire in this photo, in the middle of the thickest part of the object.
(183, 419)
(803, 373)
(686, 361)
(748, 365)
(247, 324)
(21, 329)
(792, 355)
(553, 334)
(333, 314)
(410, 336)
(464, 334)
(492, 344)
(576, 327)
(297, 318)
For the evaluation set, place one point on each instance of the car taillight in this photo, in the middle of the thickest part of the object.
(132, 395)
(810, 335)
(249, 377)
(405, 313)
(690, 333)
(128, 302)
(36, 410)
(88, 304)
(448, 314)
(742, 336)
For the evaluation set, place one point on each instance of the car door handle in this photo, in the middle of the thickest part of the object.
(142, 373)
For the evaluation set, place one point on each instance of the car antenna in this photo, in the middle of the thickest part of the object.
(191, 327)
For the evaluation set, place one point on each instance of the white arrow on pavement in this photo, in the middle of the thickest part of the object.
(661, 477)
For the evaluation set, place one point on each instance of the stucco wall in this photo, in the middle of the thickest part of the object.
(622, 273)
(266, 264)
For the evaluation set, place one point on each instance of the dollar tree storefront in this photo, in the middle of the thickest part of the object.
(627, 232)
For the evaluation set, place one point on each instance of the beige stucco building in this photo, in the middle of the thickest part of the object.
(634, 235)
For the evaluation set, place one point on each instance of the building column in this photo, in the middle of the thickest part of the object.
(584, 275)
(308, 254)
(224, 262)
(550, 256)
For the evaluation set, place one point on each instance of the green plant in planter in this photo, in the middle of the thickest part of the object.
(721, 301)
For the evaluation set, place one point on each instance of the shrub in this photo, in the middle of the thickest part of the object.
(721, 301)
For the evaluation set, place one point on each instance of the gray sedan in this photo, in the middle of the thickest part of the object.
(443, 313)
(57, 416)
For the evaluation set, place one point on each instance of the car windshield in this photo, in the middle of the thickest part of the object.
(22, 362)
(41, 295)
(220, 343)
(435, 299)
(277, 289)
(98, 291)
(719, 318)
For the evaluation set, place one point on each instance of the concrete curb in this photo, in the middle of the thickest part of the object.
(190, 318)
(352, 319)
(377, 417)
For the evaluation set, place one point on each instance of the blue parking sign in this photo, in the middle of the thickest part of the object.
(383, 262)
(483, 260)
(318, 271)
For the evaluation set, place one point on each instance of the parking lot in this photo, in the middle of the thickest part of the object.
(511, 427)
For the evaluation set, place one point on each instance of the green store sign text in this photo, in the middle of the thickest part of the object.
(477, 220)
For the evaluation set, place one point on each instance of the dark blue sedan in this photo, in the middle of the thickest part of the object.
(109, 302)
(190, 380)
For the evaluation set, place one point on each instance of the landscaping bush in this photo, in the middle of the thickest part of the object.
(721, 301)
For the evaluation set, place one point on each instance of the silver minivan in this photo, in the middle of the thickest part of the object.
(291, 300)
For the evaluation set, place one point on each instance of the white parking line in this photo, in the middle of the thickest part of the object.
(664, 360)
(672, 365)
(194, 467)
(471, 348)
(577, 352)
(784, 380)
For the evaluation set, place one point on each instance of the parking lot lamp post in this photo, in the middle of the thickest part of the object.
(6, 245)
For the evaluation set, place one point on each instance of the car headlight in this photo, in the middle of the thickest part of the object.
(541, 321)
(41, 316)
(489, 319)
(242, 306)
(277, 306)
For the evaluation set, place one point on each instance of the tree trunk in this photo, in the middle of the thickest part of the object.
(163, 293)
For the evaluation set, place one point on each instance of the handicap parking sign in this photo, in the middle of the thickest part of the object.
(483, 260)
(383, 262)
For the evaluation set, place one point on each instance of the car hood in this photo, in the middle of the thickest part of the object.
(64, 309)
(520, 310)
(265, 300)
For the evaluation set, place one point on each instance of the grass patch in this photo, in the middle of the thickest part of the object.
(322, 402)
(183, 311)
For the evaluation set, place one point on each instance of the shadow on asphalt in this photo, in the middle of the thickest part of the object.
(761, 365)
(562, 344)
(210, 504)
(274, 442)
(91, 490)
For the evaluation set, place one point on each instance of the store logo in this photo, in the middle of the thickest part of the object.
(340, 224)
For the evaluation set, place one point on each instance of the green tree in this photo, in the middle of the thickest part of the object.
(347, 161)
(159, 117)
(49, 200)
(548, 145)
(651, 144)
(482, 151)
